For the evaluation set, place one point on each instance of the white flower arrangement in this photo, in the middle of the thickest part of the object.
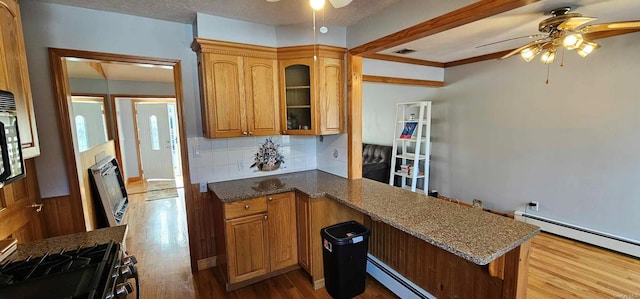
(268, 158)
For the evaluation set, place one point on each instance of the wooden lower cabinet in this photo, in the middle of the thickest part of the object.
(303, 211)
(281, 226)
(260, 238)
(247, 247)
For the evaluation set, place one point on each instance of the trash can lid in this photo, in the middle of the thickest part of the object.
(344, 231)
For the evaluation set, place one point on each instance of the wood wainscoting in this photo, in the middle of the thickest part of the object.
(201, 228)
(444, 274)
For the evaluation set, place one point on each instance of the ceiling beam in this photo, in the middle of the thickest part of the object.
(404, 60)
(490, 56)
(403, 81)
(98, 67)
(465, 15)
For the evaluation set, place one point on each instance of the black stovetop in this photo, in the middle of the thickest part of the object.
(77, 273)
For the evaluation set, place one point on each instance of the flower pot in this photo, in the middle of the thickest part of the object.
(267, 167)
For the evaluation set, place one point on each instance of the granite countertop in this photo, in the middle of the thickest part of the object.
(72, 241)
(474, 235)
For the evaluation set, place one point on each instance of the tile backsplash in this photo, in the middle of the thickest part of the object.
(332, 154)
(223, 159)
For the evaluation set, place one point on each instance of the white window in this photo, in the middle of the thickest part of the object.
(153, 130)
(81, 132)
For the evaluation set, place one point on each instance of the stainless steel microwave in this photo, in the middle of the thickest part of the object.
(12, 166)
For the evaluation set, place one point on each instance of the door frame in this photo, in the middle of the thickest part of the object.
(62, 93)
(116, 132)
(134, 111)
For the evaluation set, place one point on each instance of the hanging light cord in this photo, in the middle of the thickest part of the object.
(315, 39)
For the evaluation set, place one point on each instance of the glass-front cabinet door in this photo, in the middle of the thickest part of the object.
(298, 117)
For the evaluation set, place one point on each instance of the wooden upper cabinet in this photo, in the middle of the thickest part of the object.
(14, 75)
(261, 92)
(282, 230)
(239, 91)
(223, 101)
(297, 81)
(331, 100)
(312, 91)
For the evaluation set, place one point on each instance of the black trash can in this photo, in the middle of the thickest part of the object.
(345, 258)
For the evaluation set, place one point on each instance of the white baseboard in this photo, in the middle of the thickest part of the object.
(393, 281)
(587, 235)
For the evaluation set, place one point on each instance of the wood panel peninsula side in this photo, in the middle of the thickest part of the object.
(449, 250)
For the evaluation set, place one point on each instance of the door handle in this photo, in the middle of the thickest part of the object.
(37, 206)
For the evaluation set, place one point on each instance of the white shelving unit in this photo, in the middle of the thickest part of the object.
(413, 152)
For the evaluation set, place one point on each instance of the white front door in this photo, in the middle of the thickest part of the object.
(155, 141)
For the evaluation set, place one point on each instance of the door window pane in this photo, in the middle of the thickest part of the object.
(153, 130)
(81, 131)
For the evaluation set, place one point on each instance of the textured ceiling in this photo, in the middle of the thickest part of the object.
(284, 12)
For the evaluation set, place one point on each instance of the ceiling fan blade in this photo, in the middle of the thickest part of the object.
(610, 26)
(516, 51)
(510, 39)
(339, 3)
(575, 22)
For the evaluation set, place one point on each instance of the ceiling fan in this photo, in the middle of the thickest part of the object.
(318, 4)
(564, 29)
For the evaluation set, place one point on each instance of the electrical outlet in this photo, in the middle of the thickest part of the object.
(203, 187)
(534, 205)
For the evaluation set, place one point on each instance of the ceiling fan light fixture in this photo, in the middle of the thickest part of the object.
(548, 56)
(586, 48)
(572, 41)
(316, 4)
(529, 54)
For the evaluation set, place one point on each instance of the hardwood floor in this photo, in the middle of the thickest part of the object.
(559, 268)
(562, 268)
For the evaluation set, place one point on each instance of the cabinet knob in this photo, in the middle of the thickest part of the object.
(250, 133)
(266, 217)
(270, 198)
(246, 207)
(284, 132)
(244, 133)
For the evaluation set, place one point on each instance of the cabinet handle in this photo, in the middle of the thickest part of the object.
(246, 207)
(244, 133)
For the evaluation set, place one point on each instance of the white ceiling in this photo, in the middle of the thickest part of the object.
(451, 45)
(284, 12)
(82, 68)
(461, 42)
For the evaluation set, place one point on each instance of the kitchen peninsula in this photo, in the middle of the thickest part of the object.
(448, 250)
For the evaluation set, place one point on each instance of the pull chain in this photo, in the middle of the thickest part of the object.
(562, 58)
(548, 65)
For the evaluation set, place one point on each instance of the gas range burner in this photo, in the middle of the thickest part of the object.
(87, 272)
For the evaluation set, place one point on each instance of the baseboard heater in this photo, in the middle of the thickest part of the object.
(587, 235)
(394, 281)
